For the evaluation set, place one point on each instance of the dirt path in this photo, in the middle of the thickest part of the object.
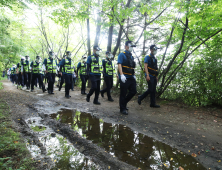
(191, 130)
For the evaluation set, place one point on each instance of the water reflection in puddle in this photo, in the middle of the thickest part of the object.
(62, 152)
(129, 146)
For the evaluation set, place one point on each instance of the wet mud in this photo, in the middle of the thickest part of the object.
(127, 145)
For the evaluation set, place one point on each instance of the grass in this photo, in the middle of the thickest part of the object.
(38, 129)
(13, 151)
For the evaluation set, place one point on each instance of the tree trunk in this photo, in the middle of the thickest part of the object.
(110, 36)
(88, 38)
(98, 28)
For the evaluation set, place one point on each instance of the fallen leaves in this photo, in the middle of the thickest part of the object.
(194, 155)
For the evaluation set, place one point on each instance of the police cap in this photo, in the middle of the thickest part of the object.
(96, 47)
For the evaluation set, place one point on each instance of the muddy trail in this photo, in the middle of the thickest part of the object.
(74, 134)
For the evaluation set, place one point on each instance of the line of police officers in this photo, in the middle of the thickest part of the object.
(90, 68)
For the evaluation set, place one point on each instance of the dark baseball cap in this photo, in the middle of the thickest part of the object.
(96, 47)
(154, 47)
(129, 42)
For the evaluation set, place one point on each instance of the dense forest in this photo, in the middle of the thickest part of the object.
(188, 33)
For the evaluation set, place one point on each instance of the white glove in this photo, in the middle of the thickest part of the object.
(123, 78)
(134, 77)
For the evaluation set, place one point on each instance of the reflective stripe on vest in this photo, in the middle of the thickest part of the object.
(96, 67)
(110, 69)
(69, 68)
(37, 68)
(83, 69)
(51, 67)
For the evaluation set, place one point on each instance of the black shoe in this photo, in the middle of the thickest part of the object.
(87, 98)
(32, 90)
(96, 102)
(52, 93)
(127, 108)
(59, 89)
(49, 92)
(102, 93)
(156, 106)
(72, 89)
(110, 99)
(67, 96)
(124, 112)
(139, 100)
(43, 90)
(57, 85)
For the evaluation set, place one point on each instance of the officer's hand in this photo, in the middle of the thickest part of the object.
(46, 71)
(61, 73)
(22, 73)
(117, 76)
(147, 78)
(123, 78)
(156, 79)
(31, 69)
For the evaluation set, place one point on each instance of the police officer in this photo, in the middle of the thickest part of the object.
(26, 72)
(151, 73)
(126, 66)
(94, 70)
(108, 72)
(12, 75)
(50, 66)
(36, 68)
(67, 68)
(20, 80)
(83, 74)
(61, 76)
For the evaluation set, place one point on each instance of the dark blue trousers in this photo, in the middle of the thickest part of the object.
(95, 86)
(124, 98)
(109, 85)
(84, 79)
(151, 90)
(51, 81)
(68, 81)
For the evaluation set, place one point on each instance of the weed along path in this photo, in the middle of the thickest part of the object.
(70, 133)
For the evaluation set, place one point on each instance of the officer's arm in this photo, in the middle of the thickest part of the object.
(22, 69)
(146, 69)
(120, 69)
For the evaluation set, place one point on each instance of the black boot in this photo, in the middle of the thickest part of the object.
(110, 99)
(154, 105)
(96, 102)
(87, 98)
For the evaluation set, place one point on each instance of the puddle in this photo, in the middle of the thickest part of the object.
(127, 145)
(62, 152)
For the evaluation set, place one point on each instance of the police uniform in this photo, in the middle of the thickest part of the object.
(37, 74)
(25, 68)
(152, 70)
(108, 72)
(128, 65)
(94, 70)
(20, 80)
(12, 75)
(67, 67)
(83, 75)
(51, 66)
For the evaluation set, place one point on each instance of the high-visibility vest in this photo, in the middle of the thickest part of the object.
(12, 71)
(83, 69)
(20, 66)
(26, 67)
(129, 66)
(110, 69)
(37, 68)
(51, 66)
(96, 67)
(68, 67)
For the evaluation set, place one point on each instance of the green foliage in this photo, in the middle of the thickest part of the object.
(38, 129)
(13, 151)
